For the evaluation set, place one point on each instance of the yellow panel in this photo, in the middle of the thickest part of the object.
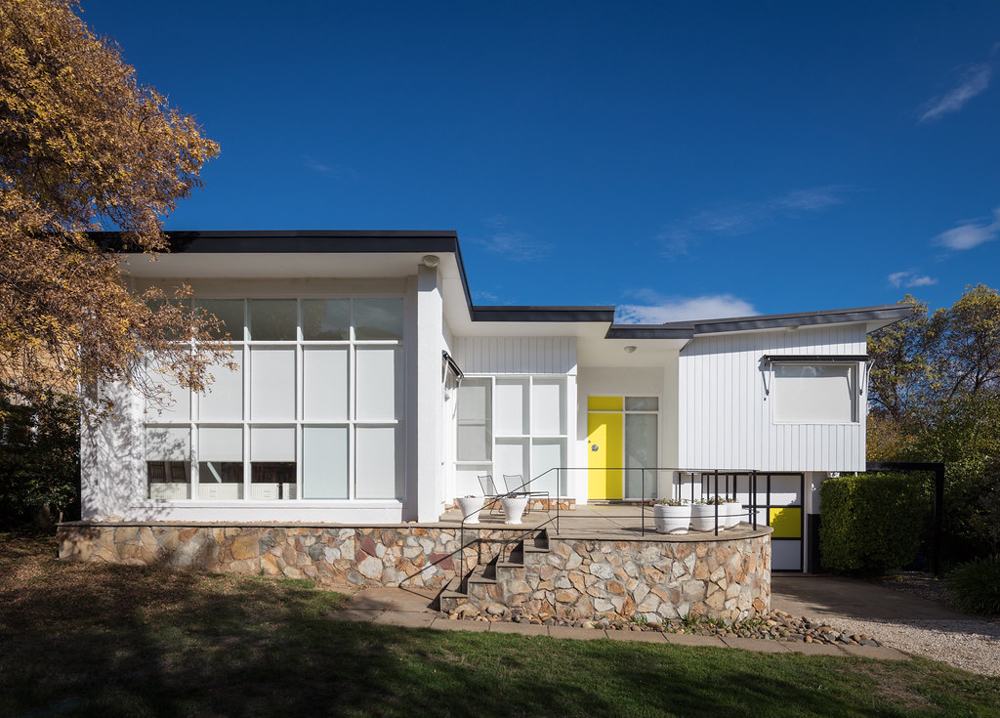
(604, 455)
(604, 403)
(787, 523)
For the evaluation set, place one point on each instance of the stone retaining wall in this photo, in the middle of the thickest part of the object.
(360, 556)
(727, 578)
(656, 580)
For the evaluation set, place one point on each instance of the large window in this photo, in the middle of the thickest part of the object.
(815, 393)
(312, 411)
(512, 425)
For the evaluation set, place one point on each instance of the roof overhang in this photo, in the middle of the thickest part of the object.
(350, 254)
(872, 317)
(398, 253)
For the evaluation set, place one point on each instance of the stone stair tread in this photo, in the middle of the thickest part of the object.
(453, 589)
(477, 576)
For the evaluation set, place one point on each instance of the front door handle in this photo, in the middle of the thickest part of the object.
(594, 447)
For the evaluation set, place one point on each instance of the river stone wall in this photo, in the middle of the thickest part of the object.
(363, 557)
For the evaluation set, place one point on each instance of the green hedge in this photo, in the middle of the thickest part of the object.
(872, 523)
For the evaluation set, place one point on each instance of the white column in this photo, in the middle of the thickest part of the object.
(430, 339)
(112, 468)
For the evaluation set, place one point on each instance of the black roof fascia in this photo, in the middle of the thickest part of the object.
(356, 242)
(648, 331)
(814, 358)
(543, 314)
(680, 330)
(295, 241)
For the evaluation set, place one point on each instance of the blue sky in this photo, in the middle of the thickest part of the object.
(678, 160)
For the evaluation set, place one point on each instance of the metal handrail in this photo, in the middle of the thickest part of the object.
(522, 489)
(751, 507)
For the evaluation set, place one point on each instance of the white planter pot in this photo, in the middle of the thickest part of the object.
(703, 517)
(734, 514)
(671, 519)
(513, 508)
(470, 506)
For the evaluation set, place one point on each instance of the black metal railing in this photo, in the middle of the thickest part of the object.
(524, 489)
(646, 500)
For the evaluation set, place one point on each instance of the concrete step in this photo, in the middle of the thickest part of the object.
(452, 596)
(490, 582)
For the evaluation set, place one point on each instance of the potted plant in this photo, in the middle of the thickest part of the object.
(672, 516)
(703, 514)
(513, 507)
(470, 506)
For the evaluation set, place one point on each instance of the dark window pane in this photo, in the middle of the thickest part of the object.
(229, 312)
(272, 320)
(326, 319)
(378, 319)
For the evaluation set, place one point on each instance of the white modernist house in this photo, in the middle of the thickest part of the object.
(371, 390)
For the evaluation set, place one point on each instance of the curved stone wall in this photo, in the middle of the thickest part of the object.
(728, 578)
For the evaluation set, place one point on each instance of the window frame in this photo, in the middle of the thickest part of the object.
(851, 363)
(241, 340)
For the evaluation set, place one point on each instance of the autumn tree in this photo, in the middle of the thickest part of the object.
(84, 147)
(935, 396)
(935, 379)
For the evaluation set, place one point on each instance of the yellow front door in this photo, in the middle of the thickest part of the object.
(604, 447)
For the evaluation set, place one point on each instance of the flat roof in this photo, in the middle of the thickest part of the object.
(686, 329)
(309, 241)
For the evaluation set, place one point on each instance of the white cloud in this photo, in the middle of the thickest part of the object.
(910, 278)
(509, 242)
(659, 310)
(971, 233)
(974, 81)
(737, 218)
(334, 171)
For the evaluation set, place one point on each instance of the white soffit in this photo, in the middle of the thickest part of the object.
(277, 265)
(601, 352)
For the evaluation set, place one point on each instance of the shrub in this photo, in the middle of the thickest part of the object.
(975, 585)
(39, 456)
(872, 523)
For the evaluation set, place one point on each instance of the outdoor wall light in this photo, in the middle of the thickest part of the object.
(430, 260)
(630, 349)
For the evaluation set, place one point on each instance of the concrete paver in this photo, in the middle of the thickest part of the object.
(814, 649)
(394, 599)
(637, 636)
(881, 652)
(759, 645)
(684, 639)
(525, 629)
(356, 615)
(580, 634)
(405, 619)
(446, 624)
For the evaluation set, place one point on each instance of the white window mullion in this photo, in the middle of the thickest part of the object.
(352, 489)
(247, 371)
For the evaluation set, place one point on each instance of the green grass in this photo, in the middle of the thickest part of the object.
(99, 640)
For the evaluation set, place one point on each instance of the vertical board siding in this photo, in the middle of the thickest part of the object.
(725, 416)
(516, 355)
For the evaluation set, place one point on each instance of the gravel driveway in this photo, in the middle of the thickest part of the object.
(908, 623)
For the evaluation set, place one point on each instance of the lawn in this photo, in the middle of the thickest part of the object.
(101, 640)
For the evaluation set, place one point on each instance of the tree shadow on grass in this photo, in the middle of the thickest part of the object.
(107, 640)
